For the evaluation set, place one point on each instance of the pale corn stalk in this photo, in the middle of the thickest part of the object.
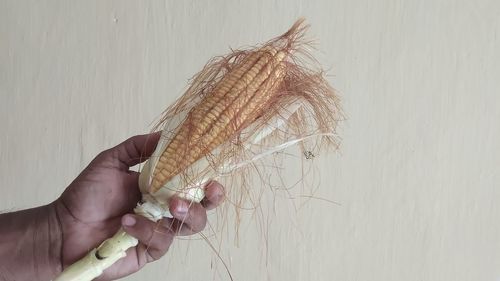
(239, 108)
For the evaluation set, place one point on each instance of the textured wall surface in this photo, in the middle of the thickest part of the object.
(417, 179)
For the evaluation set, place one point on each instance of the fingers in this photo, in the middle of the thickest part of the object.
(132, 151)
(190, 217)
(214, 195)
(154, 238)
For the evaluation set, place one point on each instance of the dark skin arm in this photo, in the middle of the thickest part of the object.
(36, 244)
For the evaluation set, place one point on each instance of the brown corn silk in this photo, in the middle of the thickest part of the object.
(237, 95)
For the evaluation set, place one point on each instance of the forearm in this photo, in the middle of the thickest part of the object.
(30, 244)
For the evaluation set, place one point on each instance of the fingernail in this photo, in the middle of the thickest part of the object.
(181, 208)
(128, 220)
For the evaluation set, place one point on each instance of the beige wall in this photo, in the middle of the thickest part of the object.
(418, 174)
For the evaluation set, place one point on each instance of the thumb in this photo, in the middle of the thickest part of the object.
(131, 152)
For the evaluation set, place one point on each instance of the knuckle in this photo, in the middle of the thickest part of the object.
(103, 155)
(159, 244)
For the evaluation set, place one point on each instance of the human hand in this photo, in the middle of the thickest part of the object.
(99, 201)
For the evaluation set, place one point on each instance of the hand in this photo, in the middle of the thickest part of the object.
(99, 201)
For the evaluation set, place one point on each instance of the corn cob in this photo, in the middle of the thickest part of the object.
(238, 99)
